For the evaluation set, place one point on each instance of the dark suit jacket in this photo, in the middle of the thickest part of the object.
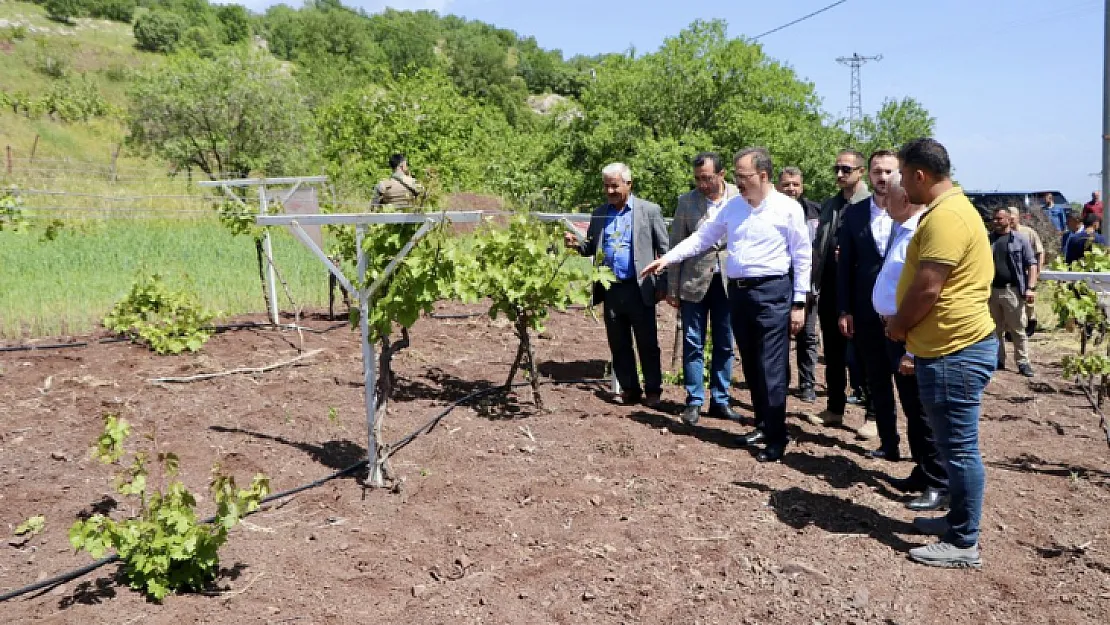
(649, 240)
(825, 241)
(859, 264)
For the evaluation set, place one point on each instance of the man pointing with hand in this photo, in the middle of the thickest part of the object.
(768, 278)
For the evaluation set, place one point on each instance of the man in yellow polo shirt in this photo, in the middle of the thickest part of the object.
(944, 318)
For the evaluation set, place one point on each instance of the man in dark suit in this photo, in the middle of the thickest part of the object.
(864, 235)
(791, 185)
(698, 288)
(849, 170)
(630, 233)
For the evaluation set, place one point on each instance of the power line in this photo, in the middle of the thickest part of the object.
(855, 97)
(800, 19)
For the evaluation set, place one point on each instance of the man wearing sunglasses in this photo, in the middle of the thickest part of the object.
(849, 170)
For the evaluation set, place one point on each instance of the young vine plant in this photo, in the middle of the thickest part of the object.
(164, 548)
(167, 320)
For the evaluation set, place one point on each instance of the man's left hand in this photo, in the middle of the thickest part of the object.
(797, 320)
(895, 331)
(1030, 296)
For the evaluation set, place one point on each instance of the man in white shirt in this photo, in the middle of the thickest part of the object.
(768, 267)
(928, 476)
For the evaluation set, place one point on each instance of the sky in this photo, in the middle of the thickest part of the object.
(1014, 85)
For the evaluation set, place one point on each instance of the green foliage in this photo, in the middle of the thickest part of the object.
(897, 122)
(159, 31)
(525, 271)
(169, 321)
(75, 100)
(11, 210)
(109, 445)
(1089, 365)
(115, 10)
(236, 23)
(64, 10)
(51, 59)
(200, 41)
(31, 527)
(239, 218)
(231, 116)
(165, 548)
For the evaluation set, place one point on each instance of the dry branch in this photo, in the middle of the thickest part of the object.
(240, 370)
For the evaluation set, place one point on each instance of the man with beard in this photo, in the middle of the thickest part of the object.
(864, 234)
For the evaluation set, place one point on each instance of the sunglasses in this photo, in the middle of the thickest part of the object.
(844, 169)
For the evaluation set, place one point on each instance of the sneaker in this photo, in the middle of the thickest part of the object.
(691, 415)
(868, 430)
(948, 556)
(825, 418)
(1025, 370)
(807, 395)
(931, 525)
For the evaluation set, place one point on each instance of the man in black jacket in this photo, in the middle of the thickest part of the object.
(849, 170)
(791, 184)
(864, 235)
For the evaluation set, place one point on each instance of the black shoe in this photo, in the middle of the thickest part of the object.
(691, 414)
(807, 395)
(1025, 370)
(722, 411)
(906, 485)
(631, 399)
(1001, 366)
(773, 453)
(754, 437)
(1031, 327)
(931, 499)
(890, 455)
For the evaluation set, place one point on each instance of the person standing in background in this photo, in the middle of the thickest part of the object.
(791, 184)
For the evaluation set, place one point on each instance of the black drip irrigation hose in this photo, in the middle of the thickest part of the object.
(62, 578)
(124, 339)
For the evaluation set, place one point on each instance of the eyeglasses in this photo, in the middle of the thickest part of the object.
(707, 178)
(740, 174)
(844, 169)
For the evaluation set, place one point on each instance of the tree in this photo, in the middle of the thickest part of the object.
(233, 115)
(897, 122)
(64, 10)
(699, 90)
(236, 23)
(159, 31)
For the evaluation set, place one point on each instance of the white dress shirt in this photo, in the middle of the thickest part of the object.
(884, 297)
(881, 225)
(763, 241)
(712, 207)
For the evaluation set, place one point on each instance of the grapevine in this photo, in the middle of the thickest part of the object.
(169, 321)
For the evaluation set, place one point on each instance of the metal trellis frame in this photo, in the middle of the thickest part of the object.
(365, 295)
(263, 209)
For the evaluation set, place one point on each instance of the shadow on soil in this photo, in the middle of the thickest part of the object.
(799, 509)
(92, 593)
(332, 454)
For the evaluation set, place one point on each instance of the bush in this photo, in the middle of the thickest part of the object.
(64, 10)
(200, 40)
(169, 321)
(51, 60)
(159, 31)
(115, 10)
(75, 100)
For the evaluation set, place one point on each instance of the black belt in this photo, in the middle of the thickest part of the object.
(747, 283)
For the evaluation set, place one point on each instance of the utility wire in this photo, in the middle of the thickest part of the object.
(800, 19)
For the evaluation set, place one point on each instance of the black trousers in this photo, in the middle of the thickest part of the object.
(835, 346)
(761, 327)
(871, 350)
(928, 470)
(626, 317)
(806, 346)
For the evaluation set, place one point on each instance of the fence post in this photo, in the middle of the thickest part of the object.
(115, 155)
(34, 146)
(9, 159)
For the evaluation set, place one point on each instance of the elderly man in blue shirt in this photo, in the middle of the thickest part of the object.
(630, 232)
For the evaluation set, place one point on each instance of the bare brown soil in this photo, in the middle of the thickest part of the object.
(591, 512)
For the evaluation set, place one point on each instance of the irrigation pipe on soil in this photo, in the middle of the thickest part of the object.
(62, 578)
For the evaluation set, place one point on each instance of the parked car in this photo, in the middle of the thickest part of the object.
(987, 201)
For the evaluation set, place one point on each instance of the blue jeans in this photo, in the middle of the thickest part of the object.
(713, 306)
(1058, 217)
(951, 391)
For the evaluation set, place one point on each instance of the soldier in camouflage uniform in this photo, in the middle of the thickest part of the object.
(399, 190)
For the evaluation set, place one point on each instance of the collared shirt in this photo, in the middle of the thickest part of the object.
(885, 295)
(617, 241)
(712, 207)
(767, 240)
(881, 224)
